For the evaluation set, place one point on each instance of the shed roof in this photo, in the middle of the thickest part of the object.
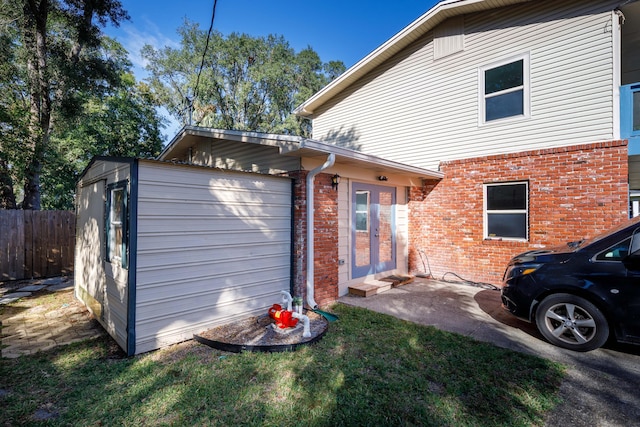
(294, 146)
(425, 23)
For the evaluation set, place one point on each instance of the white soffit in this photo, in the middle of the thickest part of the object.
(344, 156)
(294, 146)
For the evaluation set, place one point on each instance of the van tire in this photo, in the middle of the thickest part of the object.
(571, 322)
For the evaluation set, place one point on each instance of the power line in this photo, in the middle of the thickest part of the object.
(204, 54)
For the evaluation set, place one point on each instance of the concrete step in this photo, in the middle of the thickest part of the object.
(398, 280)
(374, 287)
(370, 288)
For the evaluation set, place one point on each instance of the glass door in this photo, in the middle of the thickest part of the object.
(373, 229)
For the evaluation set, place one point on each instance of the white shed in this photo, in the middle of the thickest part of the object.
(167, 250)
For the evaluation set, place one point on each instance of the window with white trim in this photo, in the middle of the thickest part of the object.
(362, 211)
(504, 90)
(117, 223)
(506, 211)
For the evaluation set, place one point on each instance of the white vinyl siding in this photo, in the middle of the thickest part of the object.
(418, 111)
(101, 285)
(212, 246)
(448, 37)
(241, 157)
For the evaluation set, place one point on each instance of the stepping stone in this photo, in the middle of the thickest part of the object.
(61, 287)
(32, 288)
(54, 281)
(9, 298)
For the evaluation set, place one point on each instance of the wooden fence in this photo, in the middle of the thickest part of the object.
(36, 244)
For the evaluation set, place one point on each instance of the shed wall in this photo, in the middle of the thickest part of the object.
(102, 286)
(212, 246)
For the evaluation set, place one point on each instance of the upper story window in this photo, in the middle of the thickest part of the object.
(506, 211)
(504, 90)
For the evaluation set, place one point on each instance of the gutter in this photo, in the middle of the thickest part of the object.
(310, 229)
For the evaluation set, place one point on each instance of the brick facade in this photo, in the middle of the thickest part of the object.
(574, 192)
(325, 238)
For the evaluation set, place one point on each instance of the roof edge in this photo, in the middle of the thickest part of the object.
(440, 11)
(283, 141)
(368, 158)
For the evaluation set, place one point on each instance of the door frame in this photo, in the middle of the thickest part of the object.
(373, 215)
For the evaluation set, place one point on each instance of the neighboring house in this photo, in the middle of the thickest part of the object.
(483, 129)
(530, 109)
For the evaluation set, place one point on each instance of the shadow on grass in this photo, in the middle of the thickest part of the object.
(370, 369)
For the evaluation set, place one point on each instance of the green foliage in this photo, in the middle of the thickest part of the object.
(124, 123)
(369, 369)
(61, 105)
(246, 83)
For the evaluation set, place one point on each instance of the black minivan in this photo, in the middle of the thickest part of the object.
(579, 293)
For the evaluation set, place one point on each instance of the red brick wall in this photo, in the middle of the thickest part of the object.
(574, 192)
(299, 260)
(325, 238)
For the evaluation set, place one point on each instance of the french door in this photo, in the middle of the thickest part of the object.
(373, 232)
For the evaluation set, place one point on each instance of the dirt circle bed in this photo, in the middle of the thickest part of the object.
(259, 333)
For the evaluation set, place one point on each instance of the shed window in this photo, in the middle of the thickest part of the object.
(117, 223)
(506, 210)
(504, 90)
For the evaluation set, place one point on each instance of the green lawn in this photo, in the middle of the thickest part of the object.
(369, 369)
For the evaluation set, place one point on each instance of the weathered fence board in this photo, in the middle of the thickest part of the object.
(35, 244)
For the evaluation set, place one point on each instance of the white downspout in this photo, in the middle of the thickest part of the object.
(310, 226)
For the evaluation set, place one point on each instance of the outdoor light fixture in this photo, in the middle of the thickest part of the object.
(383, 178)
(335, 180)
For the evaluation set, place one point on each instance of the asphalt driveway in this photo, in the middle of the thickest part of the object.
(601, 387)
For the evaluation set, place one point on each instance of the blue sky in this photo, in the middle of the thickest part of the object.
(340, 30)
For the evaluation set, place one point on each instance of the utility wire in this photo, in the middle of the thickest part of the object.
(423, 257)
(204, 54)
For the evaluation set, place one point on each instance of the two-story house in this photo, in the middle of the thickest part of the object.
(530, 109)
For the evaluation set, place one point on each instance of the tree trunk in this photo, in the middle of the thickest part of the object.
(7, 196)
(35, 38)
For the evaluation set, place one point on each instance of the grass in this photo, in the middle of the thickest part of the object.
(369, 369)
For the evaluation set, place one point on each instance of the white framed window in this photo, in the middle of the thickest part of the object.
(117, 223)
(506, 210)
(504, 89)
(362, 210)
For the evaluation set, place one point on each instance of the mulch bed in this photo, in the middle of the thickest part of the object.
(260, 334)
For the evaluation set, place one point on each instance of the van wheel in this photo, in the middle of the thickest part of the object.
(572, 322)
